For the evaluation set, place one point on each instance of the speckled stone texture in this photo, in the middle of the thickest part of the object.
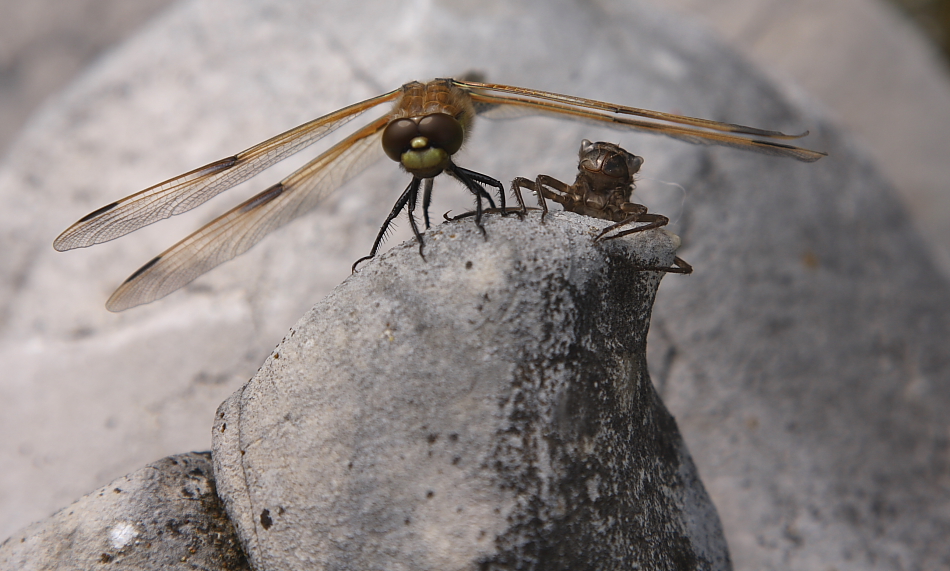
(164, 516)
(805, 360)
(488, 407)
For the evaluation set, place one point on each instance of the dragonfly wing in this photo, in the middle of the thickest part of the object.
(510, 103)
(509, 107)
(234, 232)
(523, 92)
(186, 191)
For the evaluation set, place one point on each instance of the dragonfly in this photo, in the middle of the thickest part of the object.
(426, 124)
(602, 189)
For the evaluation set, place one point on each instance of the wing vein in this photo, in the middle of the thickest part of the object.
(688, 134)
(237, 230)
(186, 191)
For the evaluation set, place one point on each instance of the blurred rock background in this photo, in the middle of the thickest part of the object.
(879, 66)
(45, 43)
(869, 64)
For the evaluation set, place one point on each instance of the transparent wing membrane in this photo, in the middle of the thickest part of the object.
(502, 101)
(184, 192)
(234, 232)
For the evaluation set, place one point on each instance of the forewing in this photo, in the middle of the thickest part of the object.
(234, 232)
(186, 191)
(502, 101)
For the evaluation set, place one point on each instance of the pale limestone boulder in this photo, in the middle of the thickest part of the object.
(805, 360)
(87, 396)
(166, 515)
(487, 407)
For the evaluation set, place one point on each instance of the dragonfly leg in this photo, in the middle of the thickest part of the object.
(563, 196)
(508, 210)
(464, 176)
(492, 182)
(653, 220)
(517, 185)
(411, 192)
(413, 196)
(679, 267)
(470, 184)
(426, 199)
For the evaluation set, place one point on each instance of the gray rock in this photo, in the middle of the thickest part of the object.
(805, 360)
(873, 69)
(806, 363)
(164, 516)
(487, 407)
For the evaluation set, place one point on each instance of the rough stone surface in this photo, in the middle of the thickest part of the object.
(488, 407)
(805, 360)
(87, 396)
(164, 516)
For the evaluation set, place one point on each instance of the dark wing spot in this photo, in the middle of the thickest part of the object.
(266, 521)
(139, 271)
(808, 159)
(773, 144)
(264, 197)
(102, 210)
(222, 164)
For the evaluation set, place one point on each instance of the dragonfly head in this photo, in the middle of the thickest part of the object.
(425, 145)
(609, 161)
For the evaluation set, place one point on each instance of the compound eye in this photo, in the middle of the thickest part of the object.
(615, 166)
(634, 163)
(443, 131)
(398, 136)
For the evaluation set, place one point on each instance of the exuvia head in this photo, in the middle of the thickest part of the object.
(608, 159)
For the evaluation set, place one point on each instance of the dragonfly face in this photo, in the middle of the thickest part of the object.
(428, 126)
(424, 146)
(425, 127)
